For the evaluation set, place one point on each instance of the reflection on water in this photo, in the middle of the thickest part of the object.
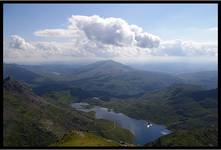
(139, 128)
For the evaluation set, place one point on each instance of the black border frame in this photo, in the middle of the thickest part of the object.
(117, 2)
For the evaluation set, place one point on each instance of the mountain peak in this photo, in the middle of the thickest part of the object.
(107, 62)
(104, 67)
(110, 64)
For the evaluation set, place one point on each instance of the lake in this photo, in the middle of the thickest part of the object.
(142, 134)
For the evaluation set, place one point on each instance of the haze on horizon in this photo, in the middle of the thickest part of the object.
(88, 33)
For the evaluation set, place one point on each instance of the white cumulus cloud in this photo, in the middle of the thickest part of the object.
(112, 31)
(94, 36)
(18, 42)
(186, 48)
(55, 33)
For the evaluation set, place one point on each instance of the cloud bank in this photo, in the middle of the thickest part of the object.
(112, 31)
(94, 36)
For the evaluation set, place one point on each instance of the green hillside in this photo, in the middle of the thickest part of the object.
(30, 120)
(79, 139)
(188, 138)
(183, 108)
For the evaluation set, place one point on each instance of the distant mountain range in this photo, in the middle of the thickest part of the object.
(19, 73)
(176, 67)
(108, 67)
(208, 79)
(108, 77)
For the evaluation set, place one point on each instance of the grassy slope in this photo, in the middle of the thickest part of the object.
(186, 138)
(22, 125)
(102, 127)
(108, 130)
(30, 120)
(79, 138)
(63, 97)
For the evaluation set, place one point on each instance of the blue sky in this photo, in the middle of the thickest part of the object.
(188, 22)
(168, 21)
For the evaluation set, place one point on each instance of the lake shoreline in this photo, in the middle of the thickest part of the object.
(142, 133)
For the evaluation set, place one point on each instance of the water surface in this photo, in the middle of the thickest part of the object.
(142, 134)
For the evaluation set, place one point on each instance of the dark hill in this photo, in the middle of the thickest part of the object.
(120, 80)
(19, 73)
(108, 67)
(30, 120)
(110, 79)
(207, 79)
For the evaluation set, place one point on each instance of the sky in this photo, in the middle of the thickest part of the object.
(36, 33)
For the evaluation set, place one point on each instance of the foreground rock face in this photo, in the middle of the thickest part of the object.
(13, 85)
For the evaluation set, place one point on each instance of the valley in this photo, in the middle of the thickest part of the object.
(37, 101)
